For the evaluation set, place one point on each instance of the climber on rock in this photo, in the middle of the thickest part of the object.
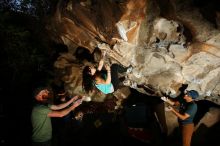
(106, 81)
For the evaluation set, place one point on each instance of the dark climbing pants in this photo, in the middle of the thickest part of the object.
(115, 69)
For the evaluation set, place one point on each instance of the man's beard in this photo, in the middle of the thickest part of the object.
(47, 99)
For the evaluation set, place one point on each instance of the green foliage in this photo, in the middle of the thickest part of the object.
(37, 8)
(24, 53)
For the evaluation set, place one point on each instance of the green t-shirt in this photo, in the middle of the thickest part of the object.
(41, 123)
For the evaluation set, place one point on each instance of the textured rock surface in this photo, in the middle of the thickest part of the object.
(165, 52)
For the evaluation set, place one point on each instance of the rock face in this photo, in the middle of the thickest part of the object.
(165, 49)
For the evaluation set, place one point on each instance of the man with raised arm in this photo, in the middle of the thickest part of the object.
(42, 112)
(185, 114)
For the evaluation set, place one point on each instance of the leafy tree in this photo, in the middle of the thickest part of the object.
(37, 8)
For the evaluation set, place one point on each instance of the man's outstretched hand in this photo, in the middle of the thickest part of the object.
(73, 99)
(77, 102)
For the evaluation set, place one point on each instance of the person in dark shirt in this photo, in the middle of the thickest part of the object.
(185, 114)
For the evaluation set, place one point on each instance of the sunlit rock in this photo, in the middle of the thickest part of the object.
(164, 52)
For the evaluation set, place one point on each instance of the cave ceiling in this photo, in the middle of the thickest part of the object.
(168, 43)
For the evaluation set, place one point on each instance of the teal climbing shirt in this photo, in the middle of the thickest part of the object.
(105, 88)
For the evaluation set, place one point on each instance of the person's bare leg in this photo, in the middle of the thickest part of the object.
(187, 132)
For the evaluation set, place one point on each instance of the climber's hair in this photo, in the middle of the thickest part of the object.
(88, 81)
